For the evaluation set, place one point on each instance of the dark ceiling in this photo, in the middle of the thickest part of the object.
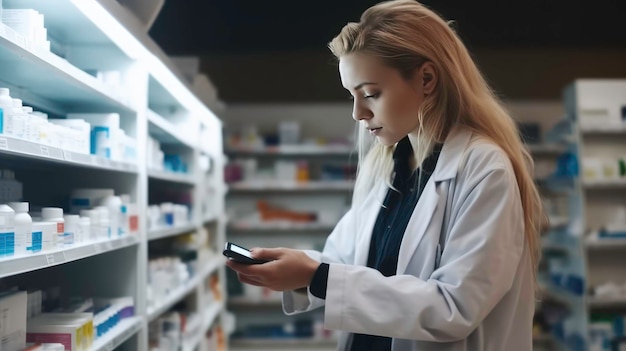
(244, 42)
(246, 26)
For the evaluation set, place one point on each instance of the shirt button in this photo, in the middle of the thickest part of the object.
(388, 227)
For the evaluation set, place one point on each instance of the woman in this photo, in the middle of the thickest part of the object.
(440, 248)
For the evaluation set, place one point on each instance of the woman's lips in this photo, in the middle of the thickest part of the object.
(374, 131)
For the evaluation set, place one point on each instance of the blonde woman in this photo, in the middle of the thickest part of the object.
(440, 248)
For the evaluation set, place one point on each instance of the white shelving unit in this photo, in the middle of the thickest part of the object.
(180, 292)
(153, 101)
(275, 185)
(295, 150)
(22, 264)
(161, 233)
(325, 193)
(595, 198)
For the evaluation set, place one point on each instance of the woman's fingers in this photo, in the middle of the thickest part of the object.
(247, 279)
(269, 254)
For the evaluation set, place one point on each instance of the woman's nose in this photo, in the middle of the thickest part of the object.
(360, 113)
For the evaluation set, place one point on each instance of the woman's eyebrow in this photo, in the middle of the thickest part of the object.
(361, 85)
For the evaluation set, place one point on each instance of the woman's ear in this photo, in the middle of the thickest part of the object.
(428, 77)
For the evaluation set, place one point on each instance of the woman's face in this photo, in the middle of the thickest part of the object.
(385, 103)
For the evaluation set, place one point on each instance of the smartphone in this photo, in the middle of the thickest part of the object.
(240, 254)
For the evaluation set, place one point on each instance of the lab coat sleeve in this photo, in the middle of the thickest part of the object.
(339, 247)
(483, 249)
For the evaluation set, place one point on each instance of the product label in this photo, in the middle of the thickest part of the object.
(100, 142)
(1, 121)
(61, 338)
(68, 238)
(60, 228)
(7, 244)
(133, 223)
(80, 202)
(37, 239)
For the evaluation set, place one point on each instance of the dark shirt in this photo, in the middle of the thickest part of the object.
(391, 223)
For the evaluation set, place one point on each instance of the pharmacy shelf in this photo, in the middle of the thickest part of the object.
(546, 149)
(17, 265)
(601, 129)
(184, 290)
(294, 150)
(181, 178)
(263, 344)
(35, 151)
(165, 131)
(117, 335)
(555, 293)
(275, 185)
(617, 183)
(209, 316)
(258, 226)
(558, 222)
(210, 217)
(161, 233)
(65, 20)
(612, 302)
(594, 243)
(42, 73)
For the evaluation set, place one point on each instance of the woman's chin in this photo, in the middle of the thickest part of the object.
(386, 141)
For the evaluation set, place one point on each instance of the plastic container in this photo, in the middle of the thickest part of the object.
(55, 214)
(18, 121)
(92, 218)
(85, 199)
(7, 231)
(40, 231)
(6, 108)
(85, 228)
(72, 227)
(114, 204)
(23, 227)
(102, 127)
(104, 222)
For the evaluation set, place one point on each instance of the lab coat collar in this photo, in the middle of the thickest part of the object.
(446, 168)
(451, 154)
(431, 204)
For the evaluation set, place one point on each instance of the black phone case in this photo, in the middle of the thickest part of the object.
(240, 258)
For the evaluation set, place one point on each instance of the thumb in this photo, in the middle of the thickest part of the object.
(266, 253)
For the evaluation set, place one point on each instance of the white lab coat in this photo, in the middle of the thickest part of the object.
(475, 294)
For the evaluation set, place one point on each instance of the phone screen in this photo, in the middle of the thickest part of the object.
(240, 250)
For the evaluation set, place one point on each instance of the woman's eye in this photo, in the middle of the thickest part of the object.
(372, 96)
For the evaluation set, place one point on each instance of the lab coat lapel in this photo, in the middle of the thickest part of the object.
(418, 224)
(365, 224)
(423, 214)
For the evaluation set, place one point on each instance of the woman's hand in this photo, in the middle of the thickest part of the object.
(288, 269)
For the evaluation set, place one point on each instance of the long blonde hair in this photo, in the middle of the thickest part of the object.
(405, 34)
